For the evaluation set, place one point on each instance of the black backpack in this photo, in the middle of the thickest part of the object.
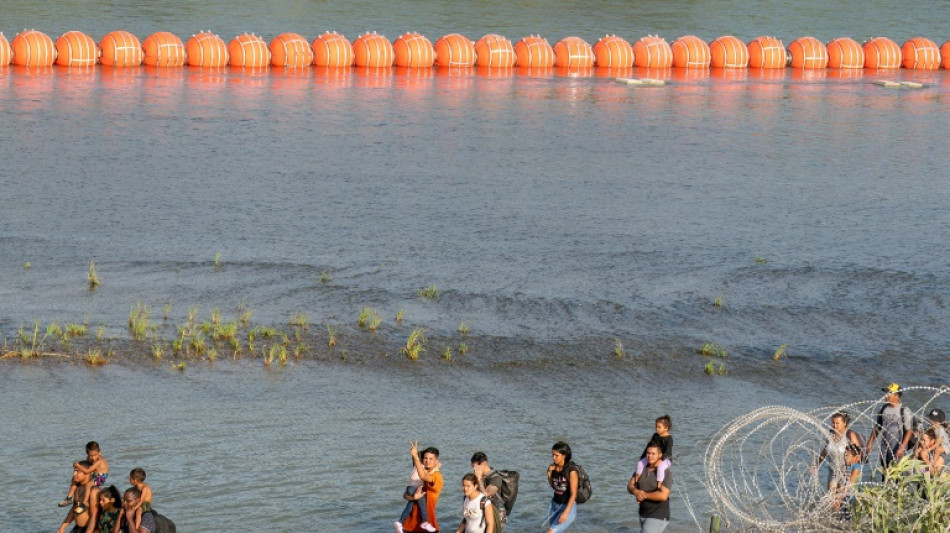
(509, 489)
(162, 523)
(584, 490)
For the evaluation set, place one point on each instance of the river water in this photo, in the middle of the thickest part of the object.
(555, 213)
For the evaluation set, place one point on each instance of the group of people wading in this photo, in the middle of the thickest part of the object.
(489, 494)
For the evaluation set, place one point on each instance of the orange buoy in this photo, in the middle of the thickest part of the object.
(534, 51)
(808, 53)
(413, 50)
(32, 48)
(6, 52)
(881, 52)
(164, 49)
(690, 51)
(76, 49)
(613, 52)
(332, 50)
(944, 53)
(652, 51)
(494, 51)
(121, 49)
(206, 49)
(845, 52)
(454, 50)
(291, 50)
(728, 52)
(920, 53)
(249, 51)
(573, 52)
(767, 52)
(373, 50)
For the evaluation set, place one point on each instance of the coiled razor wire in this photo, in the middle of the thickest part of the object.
(761, 472)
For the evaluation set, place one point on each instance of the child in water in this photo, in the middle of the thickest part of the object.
(99, 471)
(415, 484)
(664, 439)
(137, 479)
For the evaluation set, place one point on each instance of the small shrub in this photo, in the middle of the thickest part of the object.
(712, 350)
(429, 293)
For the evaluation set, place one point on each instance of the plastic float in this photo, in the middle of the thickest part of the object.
(454, 50)
(494, 51)
(573, 52)
(690, 51)
(611, 51)
(641, 81)
(76, 49)
(291, 50)
(808, 53)
(652, 51)
(249, 51)
(164, 49)
(413, 50)
(899, 84)
(845, 52)
(921, 54)
(534, 51)
(32, 48)
(121, 49)
(332, 50)
(207, 50)
(372, 50)
(767, 52)
(6, 53)
(944, 52)
(881, 52)
(728, 52)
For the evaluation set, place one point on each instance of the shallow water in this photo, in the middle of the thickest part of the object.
(554, 213)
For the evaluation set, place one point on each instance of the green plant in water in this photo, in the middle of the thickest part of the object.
(235, 345)
(399, 316)
(447, 354)
(711, 369)
(415, 344)
(246, 316)
(365, 314)
(618, 349)
(75, 330)
(166, 310)
(95, 358)
(225, 332)
(429, 293)
(780, 352)
(759, 260)
(192, 313)
(158, 352)
(215, 316)
(93, 277)
(463, 348)
(325, 276)
(908, 501)
(250, 341)
(374, 322)
(179, 367)
(138, 321)
(331, 331)
(100, 331)
(712, 350)
(196, 345)
(268, 333)
(26, 266)
(212, 354)
(300, 320)
(719, 301)
(217, 261)
(463, 328)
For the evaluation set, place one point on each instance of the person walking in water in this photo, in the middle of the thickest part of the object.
(562, 476)
(426, 463)
(894, 425)
(653, 495)
(477, 513)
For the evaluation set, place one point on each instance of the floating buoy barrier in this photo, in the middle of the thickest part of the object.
(494, 51)
(690, 51)
(76, 49)
(121, 49)
(164, 49)
(611, 51)
(573, 52)
(845, 52)
(249, 51)
(413, 50)
(207, 50)
(6, 53)
(728, 52)
(534, 51)
(808, 53)
(944, 52)
(652, 51)
(32, 48)
(332, 50)
(372, 50)
(881, 52)
(920, 53)
(767, 52)
(641, 81)
(454, 50)
(291, 50)
(899, 84)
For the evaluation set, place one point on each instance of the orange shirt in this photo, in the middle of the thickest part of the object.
(432, 489)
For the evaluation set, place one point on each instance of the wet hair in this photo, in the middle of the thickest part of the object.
(470, 477)
(431, 449)
(85, 463)
(134, 492)
(853, 449)
(479, 458)
(562, 448)
(113, 493)
(666, 421)
(92, 446)
(138, 474)
(843, 415)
